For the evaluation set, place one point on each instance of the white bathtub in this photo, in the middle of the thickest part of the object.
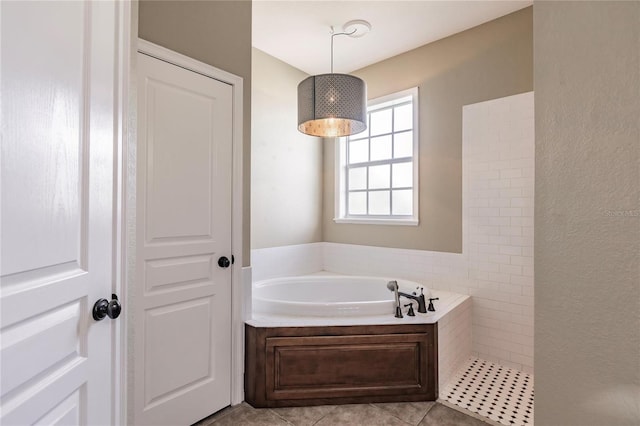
(328, 296)
(322, 300)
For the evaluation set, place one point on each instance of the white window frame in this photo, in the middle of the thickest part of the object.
(340, 203)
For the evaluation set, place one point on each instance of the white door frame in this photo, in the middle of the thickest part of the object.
(237, 293)
(126, 134)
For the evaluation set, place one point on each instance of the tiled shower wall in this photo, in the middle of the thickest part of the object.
(496, 266)
(498, 175)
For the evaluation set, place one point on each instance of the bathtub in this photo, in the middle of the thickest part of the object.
(329, 296)
(322, 339)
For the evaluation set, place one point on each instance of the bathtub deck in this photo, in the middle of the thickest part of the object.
(448, 302)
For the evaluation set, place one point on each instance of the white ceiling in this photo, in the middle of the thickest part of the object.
(298, 31)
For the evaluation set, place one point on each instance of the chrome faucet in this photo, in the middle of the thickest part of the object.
(393, 286)
(422, 305)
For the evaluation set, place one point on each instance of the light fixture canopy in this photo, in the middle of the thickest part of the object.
(334, 105)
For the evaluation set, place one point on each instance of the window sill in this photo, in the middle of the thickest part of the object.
(366, 221)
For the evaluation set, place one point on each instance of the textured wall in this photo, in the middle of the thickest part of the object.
(286, 166)
(490, 61)
(217, 33)
(587, 213)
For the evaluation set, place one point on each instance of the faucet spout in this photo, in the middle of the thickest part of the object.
(422, 305)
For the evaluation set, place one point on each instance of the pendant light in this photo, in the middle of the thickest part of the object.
(334, 105)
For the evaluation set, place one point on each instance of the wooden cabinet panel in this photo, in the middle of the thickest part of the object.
(319, 365)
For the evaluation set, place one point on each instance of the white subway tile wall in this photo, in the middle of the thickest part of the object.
(496, 266)
(498, 152)
(454, 342)
(286, 261)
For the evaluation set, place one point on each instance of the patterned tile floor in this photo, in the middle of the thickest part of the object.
(493, 391)
(383, 414)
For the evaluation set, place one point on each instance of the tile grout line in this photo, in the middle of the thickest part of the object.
(223, 413)
(499, 394)
(390, 413)
(280, 417)
(428, 411)
(320, 419)
(469, 413)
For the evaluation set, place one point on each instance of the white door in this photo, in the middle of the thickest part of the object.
(58, 140)
(183, 297)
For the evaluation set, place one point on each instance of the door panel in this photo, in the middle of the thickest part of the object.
(65, 413)
(43, 108)
(166, 143)
(58, 114)
(178, 273)
(40, 343)
(183, 336)
(167, 324)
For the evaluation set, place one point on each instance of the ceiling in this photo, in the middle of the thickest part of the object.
(298, 31)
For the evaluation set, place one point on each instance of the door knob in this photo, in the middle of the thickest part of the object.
(103, 308)
(224, 262)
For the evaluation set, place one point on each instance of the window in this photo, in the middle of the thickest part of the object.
(377, 170)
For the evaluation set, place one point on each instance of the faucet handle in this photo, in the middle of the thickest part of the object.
(431, 307)
(410, 312)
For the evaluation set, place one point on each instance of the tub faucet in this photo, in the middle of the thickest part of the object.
(422, 305)
(393, 286)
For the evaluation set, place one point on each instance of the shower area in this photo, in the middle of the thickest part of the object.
(498, 194)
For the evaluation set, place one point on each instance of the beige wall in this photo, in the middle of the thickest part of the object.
(490, 61)
(587, 213)
(286, 166)
(219, 34)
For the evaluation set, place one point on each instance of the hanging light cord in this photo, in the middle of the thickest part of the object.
(337, 34)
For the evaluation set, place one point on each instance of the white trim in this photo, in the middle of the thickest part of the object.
(237, 288)
(237, 281)
(340, 191)
(175, 58)
(125, 48)
(368, 221)
(339, 184)
(413, 92)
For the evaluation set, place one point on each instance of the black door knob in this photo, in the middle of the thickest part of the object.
(224, 262)
(103, 308)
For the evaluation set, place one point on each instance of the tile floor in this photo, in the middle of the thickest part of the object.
(493, 391)
(387, 414)
(481, 393)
